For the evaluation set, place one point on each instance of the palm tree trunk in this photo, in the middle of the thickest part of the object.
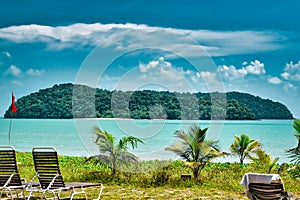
(195, 172)
(298, 147)
(114, 166)
(113, 172)
(242, 157)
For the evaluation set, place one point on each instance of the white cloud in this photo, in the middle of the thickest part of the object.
(239, 42)
(209, 81)
(123, 36)
(233, 73)
(160, 69)
(208, 77)
(6, 54)
(291, 71)
(274, 80)
(35, 72)
(256, 68)
(289, 87)
(14, 70)
(157, 74)
(18, 83)
(285, 75)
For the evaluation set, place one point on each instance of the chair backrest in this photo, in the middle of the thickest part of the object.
(47, 167)
(263, 186)
(8, 167)
(266, 190)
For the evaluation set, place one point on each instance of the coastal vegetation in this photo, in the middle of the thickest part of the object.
(243, 146)
(79, 101)
(263, 160)
(162, 179)
(295, 152)
(158, 179)
(195, 149)
(113, 154)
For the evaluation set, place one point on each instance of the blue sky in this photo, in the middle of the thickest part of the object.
(185, 46)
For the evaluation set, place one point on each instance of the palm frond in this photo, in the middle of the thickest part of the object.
(294, 154)
(243, 146)
(263, 160)
(181, 134)
(213, 144)
(296, 125)
(252, 146)
(123, 142)
(114, 154)
(125, 156)
(102, 159)
(194, 148)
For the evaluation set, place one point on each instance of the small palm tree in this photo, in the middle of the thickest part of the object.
(243, 146)
(295, 152)
(195, 149)
(114, 154)
(264, 160)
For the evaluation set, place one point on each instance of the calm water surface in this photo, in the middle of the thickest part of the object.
(74, 137)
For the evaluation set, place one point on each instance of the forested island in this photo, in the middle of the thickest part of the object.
(80, 101)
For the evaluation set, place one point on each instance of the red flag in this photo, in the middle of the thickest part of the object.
(13, 106)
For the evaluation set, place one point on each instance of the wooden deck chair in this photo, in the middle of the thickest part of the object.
(50, 178)
(266, 191)
(10, 181)
(263, 186)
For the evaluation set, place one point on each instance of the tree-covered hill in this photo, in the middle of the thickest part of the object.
(79, 101)
(263, 108)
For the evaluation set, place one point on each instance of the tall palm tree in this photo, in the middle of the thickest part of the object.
(112, 153)
(295, 152)
(195, 149)
(243, 146)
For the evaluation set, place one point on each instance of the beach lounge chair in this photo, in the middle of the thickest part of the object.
(263, 186)
(10, 181)
(50, 178)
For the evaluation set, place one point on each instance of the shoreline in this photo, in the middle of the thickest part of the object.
(95, 118)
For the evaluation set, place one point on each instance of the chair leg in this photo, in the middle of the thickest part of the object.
(74, 192)
(4, 191)
(30, 194)
(100, 192)
(10, 194)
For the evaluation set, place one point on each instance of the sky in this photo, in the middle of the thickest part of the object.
(184, 46)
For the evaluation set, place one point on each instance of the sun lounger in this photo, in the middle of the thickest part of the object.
(50, 178)
(263, 186)
(10, 181)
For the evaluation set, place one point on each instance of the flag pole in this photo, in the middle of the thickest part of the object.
(10, 124)
(13, 109)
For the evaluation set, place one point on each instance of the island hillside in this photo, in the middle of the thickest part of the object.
(80, 101)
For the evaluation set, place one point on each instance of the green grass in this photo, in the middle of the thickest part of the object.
(161, 179)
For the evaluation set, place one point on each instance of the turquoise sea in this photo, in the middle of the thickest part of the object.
(74, 136)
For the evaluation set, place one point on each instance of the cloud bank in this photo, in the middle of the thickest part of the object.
(122, 36)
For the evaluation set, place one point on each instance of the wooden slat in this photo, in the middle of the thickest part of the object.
(8, 166)
(47, 166)
(266, 191)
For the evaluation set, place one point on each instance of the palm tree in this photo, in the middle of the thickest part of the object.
(243, 146)
(264, 160)
(195, 149)
(114, 154)
(295, 152)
